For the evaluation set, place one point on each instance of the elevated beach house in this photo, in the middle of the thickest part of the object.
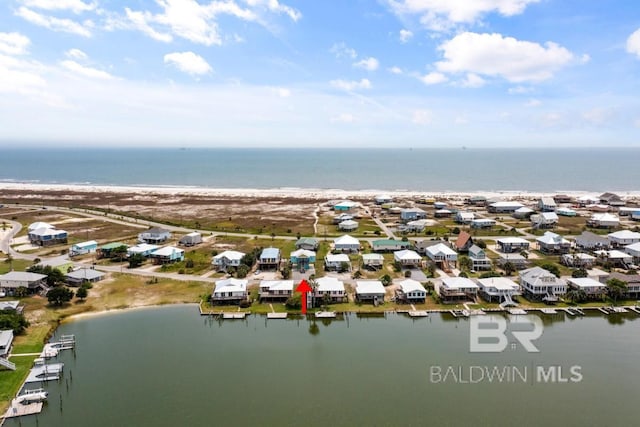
(614, 258)
(342, 217)
(463, 242)
(269, 259)
(479, 259)
(111, 249)
(456, 289)
(591, 241)
(578, 260)
(370, 291)
(167, 255)
(539, 284)
(562, 211)
(544, 220)
(60, 263)
(191, 239)
(308, 243)
(591, 287)
(408, 258)
(464, 217)
(547, 204)
(337, 262)
(389, 245)
(411, 291)
(522, 213)
(82, 275)
(276, 290)
(412, 214)
(46, 235)
(512, 244)
(482, 223)
(229, 291)
(623, 238)
(632, 281)
(143, 249)
(611, 199)
(498, 289)
(442, 255)
(516, 260)
(329, 288)
(302, 259)
(504, 207)
(633, 250)
(348, 225)
(6, 340)
(226, 259)
(604, 220)
(346, 243)
(372, 261)
(345, 206)
(154, 236)
(82, 248)
(13, 280)
(552, 243)
(381, 199)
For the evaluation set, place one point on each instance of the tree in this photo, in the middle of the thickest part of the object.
(136, 260)
(54, 276)
(397, 267)
(508, 268)
(407, 273)
(386, 280)
(344, 266)
(431, 268)
(59, 295)
(489, 274)
(285, 272)
(11, 319)
(465, 263)
(576, 296)
(481, 244)
(294, 302)
(580, 272)
(524, 254)
(119, 253)
(82, 293)
(242, 271)
(357, 274)
(616, 289)
(551, 268)
(455, 230)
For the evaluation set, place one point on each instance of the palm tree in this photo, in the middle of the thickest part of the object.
(508, 268)
(616, 288)
(576, 296)
(465, 263)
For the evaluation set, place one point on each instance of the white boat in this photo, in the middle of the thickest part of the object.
(30, 396)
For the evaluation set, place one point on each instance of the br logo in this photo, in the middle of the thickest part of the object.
(489, 334)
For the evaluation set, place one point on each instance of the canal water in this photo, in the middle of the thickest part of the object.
(169, 366)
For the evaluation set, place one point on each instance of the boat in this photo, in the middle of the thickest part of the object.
(30, 396)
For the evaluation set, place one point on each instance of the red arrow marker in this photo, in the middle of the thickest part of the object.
(303, 288)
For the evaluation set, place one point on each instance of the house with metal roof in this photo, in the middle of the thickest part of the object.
(539, 284)
(331, 288)
(370, 291)
(302, 259)
(632, 281)
(226, 259)
(13, 280)
(479, 259)
(372, 261)
(82, 275)
(442, 255)
(416, 226)
(167, 255)
(544, 220)
(337, 262)
(154, 236)
(143, 249)
(482, 223)
(276, 290)
(563, 211)
(47, 236)
(591, 287)
(604, 220)
(408, 258)
(463, 217)
(411, 291)
(381, 199)
(191, 239)
(547, 204)
(512, 244)
(342, 217)
(516, 260)
(611, 199)
(269, 259)
(60, 263)
(39, 224)
(108, 250)
(633, 250)
(522, 213)
(229, 291)
(389, 245)
(456, 289)
(504, 207)
(346, 243)
(82, 248)
(348, 225)
(615, 258)
(345, 205)
(591, 241)
(623, 238)
(498, 289)
(6, 340)
(308, 243)
(412, 214)
(578, 260)
(552, 243)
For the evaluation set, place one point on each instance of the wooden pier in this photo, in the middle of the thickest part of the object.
(418, 313)
(549, 311)
(234, 315)
(17, 409)
(276, 315)
(634, 308)
(517, 311)
(325, 314)
(459, 313)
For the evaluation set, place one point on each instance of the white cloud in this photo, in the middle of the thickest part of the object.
(343, 118)
(341, 50)
(139, 21)
(506, 57)
(85, 71)
(55, 24)
(519, 90)
(395, 70)
(473, 81)
(533, 103)
(76, 54)
(276, 6)
(422, 117)
(369, 64)
(14, 43)
(597, 116)
(433, 78)
(351, 85)
(441, 15)
(633, 43)
(188, 62)
(20, 76)
(282, 92)
(75, 6)
(405, 35)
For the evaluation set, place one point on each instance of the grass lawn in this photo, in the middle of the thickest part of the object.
(201, 263)
(10, 381)
(18, 265)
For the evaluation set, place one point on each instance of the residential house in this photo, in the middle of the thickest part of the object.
(476, 200)
(411, 291)
(439, 205)
(348, 225)
(330, 287)
(442, 255)
(463, 217)
(370, 290)
(372, 261)
(516, 260)
(552, 243)
(512, 244)
(39, 224)
(587, 200)
(346, 243)
(624, 211)
(540, 285)
(544, 220)
(80, 276)
(443, 213)
(342, 217)
(11, 305)
(60, 263)
(308, 243)
(108, 250)
(604, 220)
(407, 258)
(88, 247)
(523, 212)
(154, 236)
(562, 198)
(598, 208)
(389, 245)
(421, 245)
(167, 255)
(463, 242)
(456, 289)
(591, 287)
(6, 340)
(483, 223)
(632, 281)
(191, 239)
(302, 259)
(13, 280)
(615, 258)
(381, 199)
(547, 204)
(143, 249)
(479, 259)
(412, 214)
(47, 236)
(578, 260)
(227, 259)
(633, 250)
(416, 226)
(498, 289)
(635, 215)
(591, 241)
(623, 238)
(269, 259)
(337, 262)
(566, 212)
(229, 291)
(504, 207)
(276, 290)
(345, 206)
(611, 199)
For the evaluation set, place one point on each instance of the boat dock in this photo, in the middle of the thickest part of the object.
(18, 409)
(325, 314)
(276, 315)
(549, 311)
(42, 371)
(459, 313)
(234, 315)
(574, 311)
(517, 311)
(634, 308)
(418, 313)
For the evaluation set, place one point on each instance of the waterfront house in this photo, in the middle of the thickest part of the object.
(412, 214)
(407, 258)
(337, 262)
(632, 281)
(512, 244)
(540, 285)
(372, 261)
(611, 199)
(552, 243)
(191, 239)
(308, 243)
(330, 287)
(547, 204)
(60, 263)
(623, 238)
(302, 259)
(479, 259)
(504, 207)
(6, 340)
(463, 242)
(442, 255)
(544, 220)
(229, 291)
(342, 217)
(591, 241)
(516, 260)
(167, 255)
(463, 217)
(370, 290)
(110, 249)
(348, 225)
(566, 212)
(416, 226)
(457, 289)
(482, 223)
(44, 236)
(578, 260)
(598, 208)
(154, 236)
(411, 291)
(13, 280)
(591, 287)
(614, 258)
(11, 305)
(82, 275)
(381, 199)
(604, 220)
(389, 245)
(276, 290)
(143, 249)
(227, 259)
(82, 248)
(633, 250)
(269, 259)
(498, 289)
(345, 206)
(522, 213)
(476, 201)
(346, 243)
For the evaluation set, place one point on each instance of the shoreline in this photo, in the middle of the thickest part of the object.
(107, 312)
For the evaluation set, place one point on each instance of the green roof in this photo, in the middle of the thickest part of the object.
(111, 246)
(389, 242)
(307, 240)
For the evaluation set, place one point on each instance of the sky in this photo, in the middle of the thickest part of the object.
(310, 73)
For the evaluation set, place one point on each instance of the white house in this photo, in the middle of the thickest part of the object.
(591, 287)
(12, 280)
(342, 217)
(6, 340)
(523, 212)
(407, 258)
(455, 289)
(276, 289)
(191, 239)
(348, 225)
(39, 224)
(227, 259)
(332, 287)
(590, 240)
(229, 291)
(544, 220)
(633, 250)
(442, 254)
(167, 255)
(47, 236)
(566, 212)
(416, 226)
(479, 259)
(504, 207)
(154, 235)
(483, 223)
(623, 238)
(498, 289)
(464, 217)
(143, 249)
(372, 261)
(345, 205)
(512, 244)
(337, 262)
(370, 290)
(82, 248)
(346, 243)
(604, 220)
(547, 204)
(381, 199)
(539, 284)
(552, 243)
(410, 290)
(269, 259)
(516, 260)
(615, 257)
(578, 260)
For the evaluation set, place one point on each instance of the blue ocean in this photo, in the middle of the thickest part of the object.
(542, 170)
